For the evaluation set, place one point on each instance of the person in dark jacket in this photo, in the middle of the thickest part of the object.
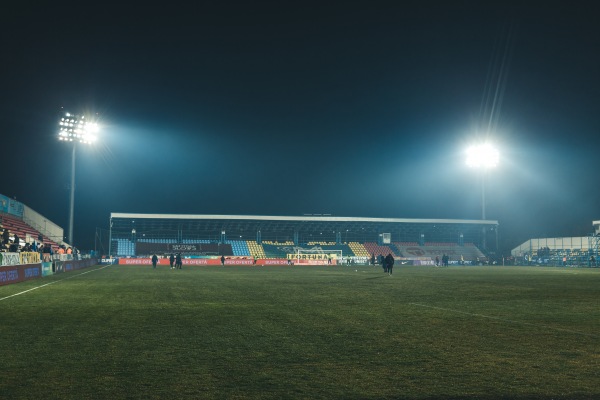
(389, 262)
(154, 261)
(172, 260)
(178, 261)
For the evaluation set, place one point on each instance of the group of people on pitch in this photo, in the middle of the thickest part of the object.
(174, 261)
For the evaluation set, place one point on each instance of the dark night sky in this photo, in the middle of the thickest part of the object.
(279, 109)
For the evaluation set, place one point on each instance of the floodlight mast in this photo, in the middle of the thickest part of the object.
(75, 129)
(483, 157)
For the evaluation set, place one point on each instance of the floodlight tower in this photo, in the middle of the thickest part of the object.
(75, 129)
(482, 157)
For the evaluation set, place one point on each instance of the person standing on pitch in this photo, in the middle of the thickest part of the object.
(389, 262)
(154, 261)
(178, 261)
(382, 262)
(222, 261)
(172, 260)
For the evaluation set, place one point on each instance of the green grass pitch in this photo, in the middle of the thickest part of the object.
(302, 333)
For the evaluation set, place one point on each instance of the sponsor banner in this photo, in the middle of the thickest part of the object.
(273, 261)
(466, 262)
(228, 261)
(109, 260)
(187, 261)
(47, 269)
(354, 260)
(30, 257)
(72, 265)
(315, 262)
(420, 252)
(422, 262)
(10, 258)
(312, 256)
(57, 266)
(19, 273)
(184, 248)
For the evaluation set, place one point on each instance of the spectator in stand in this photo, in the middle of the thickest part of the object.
(61, 250)
(69, 250)
(5, 237)
(14, 246)
(47, 252)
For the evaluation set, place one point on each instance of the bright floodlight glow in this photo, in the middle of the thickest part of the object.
(482, 156)
(77, 129)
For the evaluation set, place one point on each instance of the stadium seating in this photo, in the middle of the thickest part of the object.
(374, 248)
(255, 249)
(286, 243)
(125, 247)
(359, 249)
(22, 229)
(239, 247)
(195, 241)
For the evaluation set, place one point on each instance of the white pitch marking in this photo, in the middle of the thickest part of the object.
(50, 283)
(505, 320)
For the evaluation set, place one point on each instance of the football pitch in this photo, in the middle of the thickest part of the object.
(302, 332)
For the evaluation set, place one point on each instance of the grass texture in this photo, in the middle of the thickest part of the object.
(131, 332)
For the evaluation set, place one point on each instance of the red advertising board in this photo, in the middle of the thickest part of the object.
(228, 261)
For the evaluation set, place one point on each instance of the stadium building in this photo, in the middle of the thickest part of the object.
(565, 251)
(276, 237)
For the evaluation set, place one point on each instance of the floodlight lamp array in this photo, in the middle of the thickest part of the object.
(482, 156)
(73, 128)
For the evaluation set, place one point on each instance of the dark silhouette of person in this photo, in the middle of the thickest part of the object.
(172, 260)
(223, 261)
(154, 261)
(178, 262)
(389, 263)
(5, 236)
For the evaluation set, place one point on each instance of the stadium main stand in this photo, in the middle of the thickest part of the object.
(277, 236)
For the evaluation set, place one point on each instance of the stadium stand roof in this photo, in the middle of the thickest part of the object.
(305, 227)
(303, 218)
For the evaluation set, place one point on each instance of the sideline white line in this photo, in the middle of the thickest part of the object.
(51, 283)
(506, 320)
